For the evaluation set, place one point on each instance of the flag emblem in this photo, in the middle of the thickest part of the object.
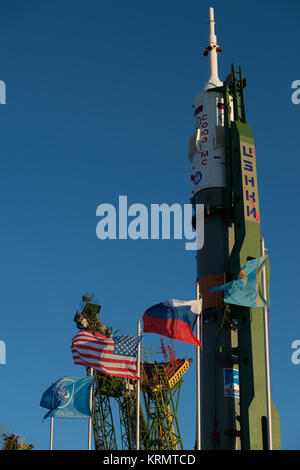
(64, 392)
(69, 397)
(198, 110)
(247, 289)
(113, 356)
(197, 177)
(126, 345)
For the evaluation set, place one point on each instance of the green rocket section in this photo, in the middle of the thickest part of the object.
(243, 212)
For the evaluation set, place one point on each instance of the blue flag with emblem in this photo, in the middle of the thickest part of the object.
(247, 289)
(69, 397)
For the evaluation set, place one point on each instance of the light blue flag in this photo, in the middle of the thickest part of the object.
(247, 290)
(69, 397)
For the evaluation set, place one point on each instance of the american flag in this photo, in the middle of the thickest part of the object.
(112, 356)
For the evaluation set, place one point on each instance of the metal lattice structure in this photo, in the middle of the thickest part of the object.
(160, 389)
(11, 441)
(161, 386)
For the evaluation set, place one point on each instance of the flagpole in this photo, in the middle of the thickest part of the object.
(198, 374)
(90, 419)
(267, 358)
(51, 433)
(138, 387)
(51, 422)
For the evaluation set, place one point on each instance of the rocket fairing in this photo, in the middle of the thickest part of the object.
(207, 145)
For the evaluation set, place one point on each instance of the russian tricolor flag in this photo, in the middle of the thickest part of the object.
(173, 318)
(198, 110)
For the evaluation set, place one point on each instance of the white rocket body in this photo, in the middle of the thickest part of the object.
(207, 152)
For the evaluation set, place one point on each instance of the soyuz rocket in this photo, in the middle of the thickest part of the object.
(237, 411)
(208, 154)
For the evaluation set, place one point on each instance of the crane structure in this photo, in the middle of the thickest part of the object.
(161, 383)
(161, 388)
(11, 441)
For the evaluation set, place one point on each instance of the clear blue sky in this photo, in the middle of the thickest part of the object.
(99, 101)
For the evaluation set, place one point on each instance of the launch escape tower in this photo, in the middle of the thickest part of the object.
(160, 388)
(224, 179)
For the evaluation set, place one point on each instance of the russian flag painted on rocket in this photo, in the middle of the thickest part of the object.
(173, 318)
